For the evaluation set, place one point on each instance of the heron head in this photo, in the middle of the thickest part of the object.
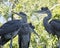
(22, 14)
(43, 10)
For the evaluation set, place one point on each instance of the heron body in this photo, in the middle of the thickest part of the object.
(53, 26)
(8, 28)
(6, 36)
(20, 27)
(25, 35)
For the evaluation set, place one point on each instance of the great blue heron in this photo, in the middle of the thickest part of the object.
(9, 30)
(53, 26)
(14, 27)
(24, 38)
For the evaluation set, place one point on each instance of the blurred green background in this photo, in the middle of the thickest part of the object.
(29, 6)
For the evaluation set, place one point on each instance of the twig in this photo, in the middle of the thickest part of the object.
(54, 6)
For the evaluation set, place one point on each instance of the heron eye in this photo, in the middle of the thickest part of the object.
(42, 8)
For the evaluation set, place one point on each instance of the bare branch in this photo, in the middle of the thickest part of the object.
(54, 6)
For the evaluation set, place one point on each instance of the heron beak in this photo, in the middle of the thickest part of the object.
(39, 11)
(15, 13)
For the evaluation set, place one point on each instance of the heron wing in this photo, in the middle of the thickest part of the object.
(55, 24)
(9, 27)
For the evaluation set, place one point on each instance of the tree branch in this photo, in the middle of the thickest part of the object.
(54, 6)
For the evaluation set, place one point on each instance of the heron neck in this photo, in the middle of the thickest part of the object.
(46, 19)
(24, 19)
(46, 23)
(49, 16)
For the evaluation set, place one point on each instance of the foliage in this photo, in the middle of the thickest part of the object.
(29, 6)
(4, 10)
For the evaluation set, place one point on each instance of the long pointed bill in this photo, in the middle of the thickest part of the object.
(36, 33)
(39, 11)
(15, 13)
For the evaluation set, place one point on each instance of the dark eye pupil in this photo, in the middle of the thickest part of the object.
(42, 8)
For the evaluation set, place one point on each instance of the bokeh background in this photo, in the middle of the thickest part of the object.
(46, 40)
